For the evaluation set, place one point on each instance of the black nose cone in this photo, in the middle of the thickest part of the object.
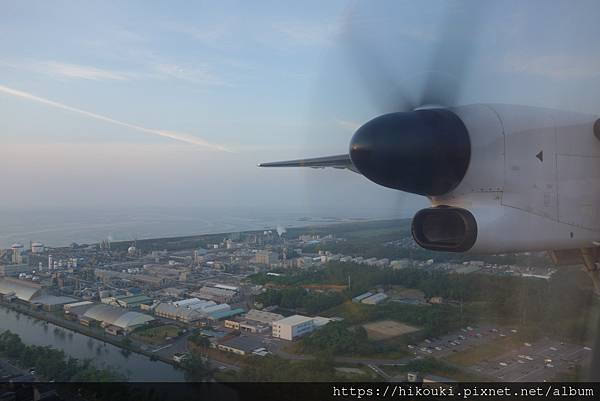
(425, 152)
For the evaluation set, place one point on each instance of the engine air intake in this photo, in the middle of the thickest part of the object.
(444, 228)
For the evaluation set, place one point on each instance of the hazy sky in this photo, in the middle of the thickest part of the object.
(172, 104)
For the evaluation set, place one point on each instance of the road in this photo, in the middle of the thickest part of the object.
(179, 345)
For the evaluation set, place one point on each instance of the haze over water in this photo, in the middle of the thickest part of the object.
(63, 227)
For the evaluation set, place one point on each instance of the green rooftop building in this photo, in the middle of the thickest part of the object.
(133, 301)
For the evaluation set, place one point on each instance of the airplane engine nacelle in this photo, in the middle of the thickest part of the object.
(492, 228)
(532, 184)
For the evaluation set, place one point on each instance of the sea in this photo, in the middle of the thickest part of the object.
(58, 227)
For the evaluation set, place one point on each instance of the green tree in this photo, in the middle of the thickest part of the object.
(197, 368)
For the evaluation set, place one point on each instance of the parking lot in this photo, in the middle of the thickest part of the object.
(534, 362)
(459, 341)
(526, 362)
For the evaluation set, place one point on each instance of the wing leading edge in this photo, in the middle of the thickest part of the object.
(338, 161)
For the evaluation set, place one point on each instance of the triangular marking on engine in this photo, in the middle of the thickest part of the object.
(540, 155)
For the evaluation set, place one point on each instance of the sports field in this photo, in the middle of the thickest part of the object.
(385, 329)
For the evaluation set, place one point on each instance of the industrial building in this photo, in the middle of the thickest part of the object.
(76, 310)
(220, 295)
(293, 327)
(193, 303)
(189, 310)
(128, 301)
(240, 345)
(134, 301)
(17, 257)
(37, 247)
(11, 288)
(142, 279)
(263, 316)
(360, 297)
(13, 270)
(224, 314)
(245, 326)
(232, 324)
(216, 308)
(108, 315)
(182, 314)
(266, 258)
(52, 303)
(375, 299)
(227, 287)
(73, 306)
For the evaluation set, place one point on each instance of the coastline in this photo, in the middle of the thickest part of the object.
(150, 227)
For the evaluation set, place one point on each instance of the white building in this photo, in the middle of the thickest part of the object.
(375, 299)
(292, 327)
(360, 297)
(193, 303)
(188, 310)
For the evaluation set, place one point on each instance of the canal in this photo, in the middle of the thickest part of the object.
(135, 366)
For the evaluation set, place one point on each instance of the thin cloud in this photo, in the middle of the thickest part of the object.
(309, 34)
(76, 71)
(198, 75)
(60, 70)
(552, 66)
(349, 125)
(153, 69)
(210, 36)
(183, 137)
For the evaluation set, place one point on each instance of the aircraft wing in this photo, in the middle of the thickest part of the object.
(339, 161)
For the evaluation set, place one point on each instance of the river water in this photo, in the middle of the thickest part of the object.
(135, 366)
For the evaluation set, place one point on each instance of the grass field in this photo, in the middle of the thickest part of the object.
(398, 292)
(158, 334)
(350, 311)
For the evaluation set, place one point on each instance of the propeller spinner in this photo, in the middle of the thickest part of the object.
(424, 152)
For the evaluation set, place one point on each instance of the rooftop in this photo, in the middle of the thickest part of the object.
(263, 316)
(77, 304)
(53, 300)
(141, 298)
(24, 290)
(294, 319)
(116, 316)
(246, 344)
(225, 313)
(362, 296)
